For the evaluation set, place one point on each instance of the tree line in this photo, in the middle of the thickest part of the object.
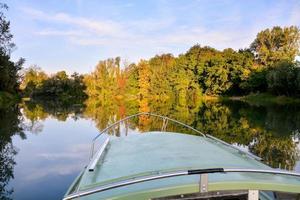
(59, 86)
(268, 65)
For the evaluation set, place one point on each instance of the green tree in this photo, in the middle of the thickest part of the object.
(160, 86)
(9, 76)
(33, 78)
(273, 45)
(59, 88)
(102, 82)
(144, 79)
(282, 79)
(217, 79)
(298, 79)
(185, 75)
(255, 81)
(239, 65)
(132, 85)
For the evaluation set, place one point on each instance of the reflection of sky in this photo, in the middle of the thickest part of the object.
(47, 163)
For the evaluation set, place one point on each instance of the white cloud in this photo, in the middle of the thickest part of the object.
(141, 33)
(145, 36)
(99, 27)
(63, 163)
(60, 33)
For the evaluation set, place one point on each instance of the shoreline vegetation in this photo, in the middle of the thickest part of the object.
(266, 98)
(256, 99)
(265, 72)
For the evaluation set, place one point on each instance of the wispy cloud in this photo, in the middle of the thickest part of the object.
(61, 163)
(171, 26)
(95, 26)
(85, 31)
(60, 33)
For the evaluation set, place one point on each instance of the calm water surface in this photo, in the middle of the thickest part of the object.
(44, 146)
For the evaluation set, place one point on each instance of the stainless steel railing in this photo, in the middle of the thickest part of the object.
(150, 114)
(163, 128)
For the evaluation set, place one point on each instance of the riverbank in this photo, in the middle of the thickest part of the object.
(258, 98)
(265, 98)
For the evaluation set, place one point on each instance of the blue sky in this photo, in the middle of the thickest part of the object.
(73, 35)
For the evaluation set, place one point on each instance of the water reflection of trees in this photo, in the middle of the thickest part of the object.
(278, 152)
(266, 130)
(37, 111)
(10, 125)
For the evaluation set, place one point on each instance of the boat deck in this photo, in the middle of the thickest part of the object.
(154, 152)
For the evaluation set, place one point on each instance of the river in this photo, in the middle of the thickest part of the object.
(45, 145)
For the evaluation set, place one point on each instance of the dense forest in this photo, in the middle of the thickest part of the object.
(59, 87)
(268, 65)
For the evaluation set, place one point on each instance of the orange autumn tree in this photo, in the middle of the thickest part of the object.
(144, 88)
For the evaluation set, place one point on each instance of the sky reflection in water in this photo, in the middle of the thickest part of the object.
(57, 146)
(48, 162)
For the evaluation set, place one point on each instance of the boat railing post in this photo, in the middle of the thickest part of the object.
(253, 195)
(165, 123)
(203, 184)
(92, 150)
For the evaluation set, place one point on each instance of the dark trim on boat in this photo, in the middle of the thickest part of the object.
(205, 171)
(216, 195)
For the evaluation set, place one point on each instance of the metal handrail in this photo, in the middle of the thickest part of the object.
(227, 144)
(173, 174)
(151, 114)
(135, 115)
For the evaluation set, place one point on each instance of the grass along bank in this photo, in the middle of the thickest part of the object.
(266, 98)
(256, 98)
